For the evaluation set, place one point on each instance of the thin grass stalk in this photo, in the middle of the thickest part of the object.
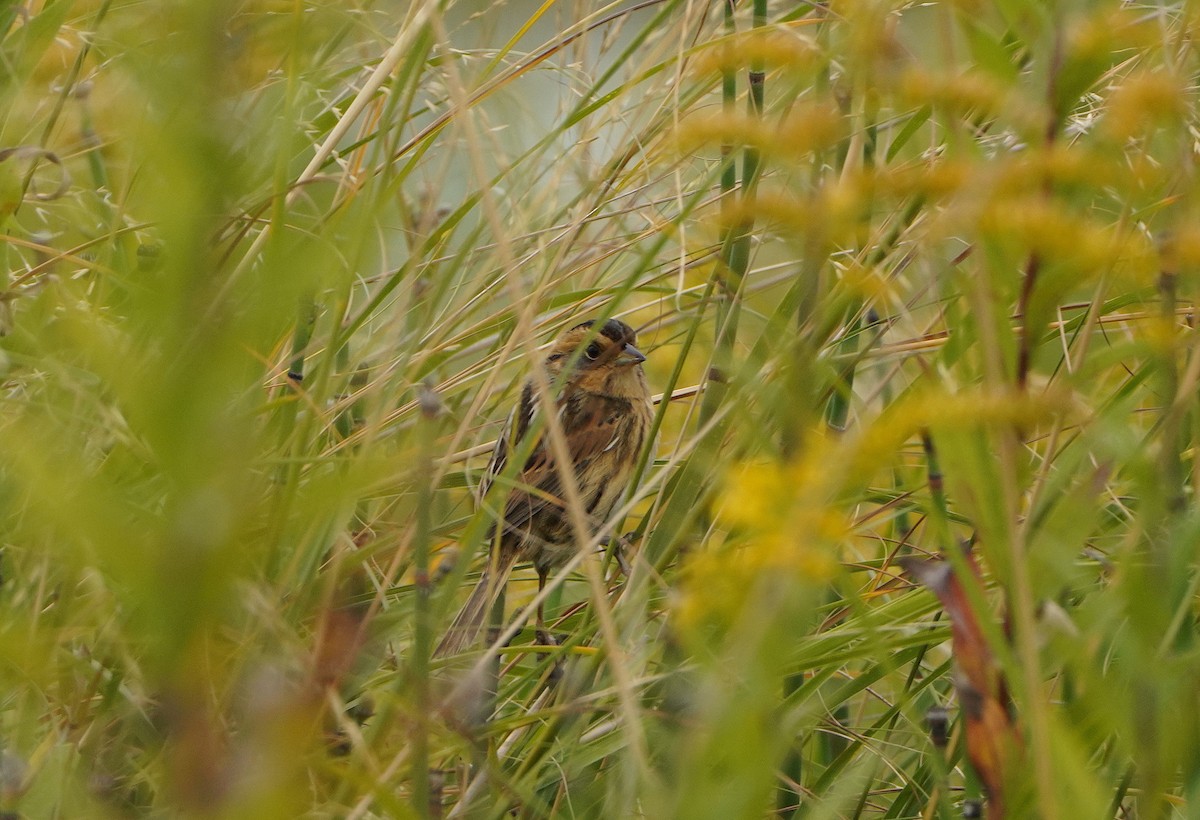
(400, 100)
(728, 102)
(66, 90)
(343, 420)
(8, 16)
(1193, 414)
(1117, 807)
(728, 278)
(1170, 463)
(789, 801)
(95, 158)
(301, 564)
(814, 251)
(943, 757)
(837, 410)
(850, 349)
(422, 647)
(1022, 614)
(1019, 594)
(655, 559)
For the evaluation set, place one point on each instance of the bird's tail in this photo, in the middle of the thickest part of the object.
(468, 623)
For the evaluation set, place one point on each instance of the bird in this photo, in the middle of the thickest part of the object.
(604, 410)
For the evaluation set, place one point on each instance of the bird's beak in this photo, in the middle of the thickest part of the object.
(631, 355)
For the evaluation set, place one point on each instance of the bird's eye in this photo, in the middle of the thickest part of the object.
(593, 351)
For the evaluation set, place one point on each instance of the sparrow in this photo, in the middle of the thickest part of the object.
(604, 410)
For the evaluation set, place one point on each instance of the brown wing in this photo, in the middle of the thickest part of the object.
(590, 425)
(515, 427)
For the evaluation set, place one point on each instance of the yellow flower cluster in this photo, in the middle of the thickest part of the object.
(782, 524)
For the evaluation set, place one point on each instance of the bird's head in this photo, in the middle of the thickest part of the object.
(604, 361)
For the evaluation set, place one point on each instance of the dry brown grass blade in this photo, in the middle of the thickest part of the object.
(993, 739)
